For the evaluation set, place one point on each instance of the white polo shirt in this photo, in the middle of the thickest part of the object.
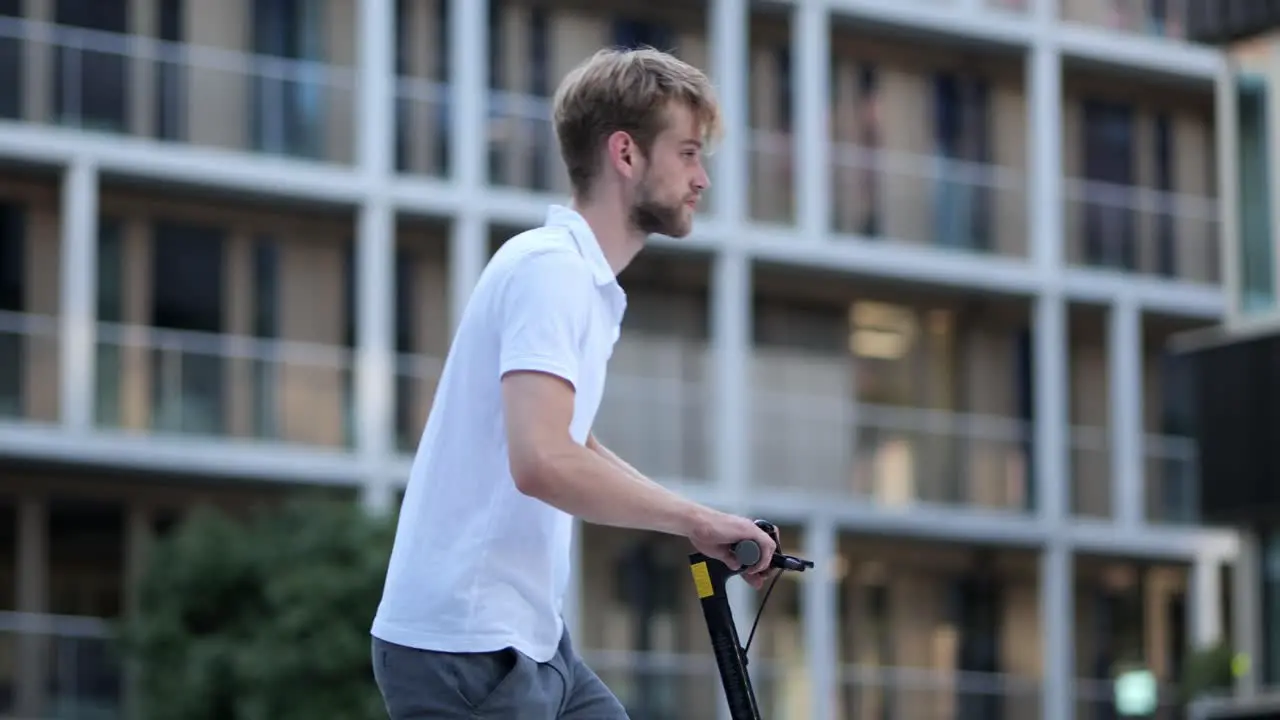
(477, 565)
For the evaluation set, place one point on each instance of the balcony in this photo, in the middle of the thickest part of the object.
(927, 149)
(888, 456)
(1167, 464)
(935, 630)
(523, 149)
(1150, 18)
(915, 692)
(1128, 612)
(29, 367)
(932, 201)
(531, 46)
(894, 398)
(422, 308)
(658, 411)
(199, 95)
(1142, 231)
(640, 625)
(1225, 21)
(169, 382)
(657, 407)
(1140, 189)
(1172, 474)
(58, 666)
(1171, 452)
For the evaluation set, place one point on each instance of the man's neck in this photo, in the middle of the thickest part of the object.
(618, 240)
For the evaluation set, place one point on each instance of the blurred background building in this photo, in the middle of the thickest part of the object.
(1233, 368)
(922, 323)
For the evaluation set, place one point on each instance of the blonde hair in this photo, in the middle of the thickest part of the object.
(629, 91)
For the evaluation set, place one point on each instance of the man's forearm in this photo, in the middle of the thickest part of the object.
(585, 483)
(612, 457)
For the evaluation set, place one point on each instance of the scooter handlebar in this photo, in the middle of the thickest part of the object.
(747, 553)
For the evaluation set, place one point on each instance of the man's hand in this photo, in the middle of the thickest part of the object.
(718, 532)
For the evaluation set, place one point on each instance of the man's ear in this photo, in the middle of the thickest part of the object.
(623, 153)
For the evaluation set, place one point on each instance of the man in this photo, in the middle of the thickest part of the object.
(470, 621)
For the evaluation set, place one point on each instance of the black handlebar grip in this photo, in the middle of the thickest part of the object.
(747, 553)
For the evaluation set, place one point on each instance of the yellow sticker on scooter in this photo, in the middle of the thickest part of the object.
(702, 580)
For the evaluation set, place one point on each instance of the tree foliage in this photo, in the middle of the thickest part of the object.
(262, 619)
(1208, 671)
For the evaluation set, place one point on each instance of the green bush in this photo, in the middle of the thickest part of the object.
(262, 619)
(1208, 672)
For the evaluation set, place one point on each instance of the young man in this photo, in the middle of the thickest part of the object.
(470, 621)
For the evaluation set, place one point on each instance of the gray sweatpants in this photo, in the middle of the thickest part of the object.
(505, 684)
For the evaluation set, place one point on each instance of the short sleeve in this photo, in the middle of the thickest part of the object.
(543, 312)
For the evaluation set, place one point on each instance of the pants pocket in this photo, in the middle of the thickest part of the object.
(483, 678)
(448, 686)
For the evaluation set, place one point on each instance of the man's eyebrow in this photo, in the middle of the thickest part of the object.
(695, 142)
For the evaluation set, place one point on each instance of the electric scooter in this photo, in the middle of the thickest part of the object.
(709, 579)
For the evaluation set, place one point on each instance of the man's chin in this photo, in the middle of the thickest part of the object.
(682, 231)
(682, 227)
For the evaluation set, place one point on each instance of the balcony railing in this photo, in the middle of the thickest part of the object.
(28, 367)
(925, 694)
(1140, 17)
(1225, 21)
(58, 667)
(1096, 699)
(928, 200)
(890, 456)
(205, 384)
(659, 424)
(772, 169)
(1090, 453)
(523, 151)
(202, 96)
(1171, 475)
(1144, 231)
(1172, 479)
(417, 377)
(423, 127)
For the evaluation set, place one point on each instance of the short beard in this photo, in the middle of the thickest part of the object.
(651, 217)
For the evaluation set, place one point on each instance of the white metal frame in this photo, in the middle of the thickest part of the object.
(373, 188)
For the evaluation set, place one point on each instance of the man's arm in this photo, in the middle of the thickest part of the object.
(549, 465)
(542, 311)
(596, 446)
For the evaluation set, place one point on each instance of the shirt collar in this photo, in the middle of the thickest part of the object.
(586, 240)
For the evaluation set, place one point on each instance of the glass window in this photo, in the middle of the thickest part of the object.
(11, 80)
(91, 88)
(1255, 255)
(288, 115)
(266, 326)
(1108, 167)
(1166, 254)
(12, 300)
(187, 296)
(110, 310)
(12, 257)
(1271, 607)
(170, 115)
(961, 136)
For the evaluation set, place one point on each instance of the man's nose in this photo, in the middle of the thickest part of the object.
(702, 181)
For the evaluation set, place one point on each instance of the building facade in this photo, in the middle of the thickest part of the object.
(920, 325)
(1250, 39)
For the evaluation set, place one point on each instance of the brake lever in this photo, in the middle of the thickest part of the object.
(747, 552)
